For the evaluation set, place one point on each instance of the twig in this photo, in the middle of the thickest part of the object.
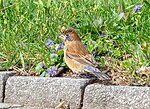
(60, 105)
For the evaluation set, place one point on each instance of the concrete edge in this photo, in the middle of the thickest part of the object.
(90, 83)
(32, 91)
(5, 75)
(116, 97)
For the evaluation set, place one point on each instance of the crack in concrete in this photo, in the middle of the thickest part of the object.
(83, 90)
(92, 81)
(4, 84)
(6, 76)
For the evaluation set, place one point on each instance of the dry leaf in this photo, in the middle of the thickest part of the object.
(144, 70)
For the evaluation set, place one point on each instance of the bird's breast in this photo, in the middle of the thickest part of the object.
(72, 64)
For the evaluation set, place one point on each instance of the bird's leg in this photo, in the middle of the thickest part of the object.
(75, 74)
(105, 71)
(82, 75)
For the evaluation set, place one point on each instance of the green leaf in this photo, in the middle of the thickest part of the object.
(54, 57)
(146, 2)
(43, 73)
(22, 60)
(1, 68)
(48, 3)
(63, 64)
(3, 55)
(61, 52)
(41, 3)
(39, 68)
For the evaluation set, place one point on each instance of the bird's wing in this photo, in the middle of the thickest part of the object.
(78, 52)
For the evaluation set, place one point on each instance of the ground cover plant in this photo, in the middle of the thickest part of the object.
(115, 31)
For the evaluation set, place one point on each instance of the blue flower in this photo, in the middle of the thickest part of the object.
(52, 71)
(101, 35)
(137, 8)
(60, 46)
(50, 43)
(111, 52)
(44, 67)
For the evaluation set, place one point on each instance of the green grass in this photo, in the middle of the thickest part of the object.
(26, 25)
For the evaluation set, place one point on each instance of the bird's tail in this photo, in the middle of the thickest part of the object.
(95, 71)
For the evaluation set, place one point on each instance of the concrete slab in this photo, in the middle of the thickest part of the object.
(99, 96)
(44, 91)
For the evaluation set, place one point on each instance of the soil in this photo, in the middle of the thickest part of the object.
(117, 78)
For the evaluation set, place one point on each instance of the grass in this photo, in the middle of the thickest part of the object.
(26, 26)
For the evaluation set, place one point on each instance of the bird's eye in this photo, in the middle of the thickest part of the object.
(67, 35)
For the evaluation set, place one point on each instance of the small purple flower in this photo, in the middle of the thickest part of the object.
(111, 52)
(137, 8)
(50, 43)
(101, 35)
(60, 46)
(52, 71)
(44, 67)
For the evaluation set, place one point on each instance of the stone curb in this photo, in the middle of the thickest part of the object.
(16, 106)
(47, 93)
(44, 92)
(98, 96)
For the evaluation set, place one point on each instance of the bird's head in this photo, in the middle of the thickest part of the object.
(70, 35)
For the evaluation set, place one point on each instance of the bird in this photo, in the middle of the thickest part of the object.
(77, 57)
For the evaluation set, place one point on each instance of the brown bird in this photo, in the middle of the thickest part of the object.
(77, 57)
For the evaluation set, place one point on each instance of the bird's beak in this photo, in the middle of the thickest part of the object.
(62, 37)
